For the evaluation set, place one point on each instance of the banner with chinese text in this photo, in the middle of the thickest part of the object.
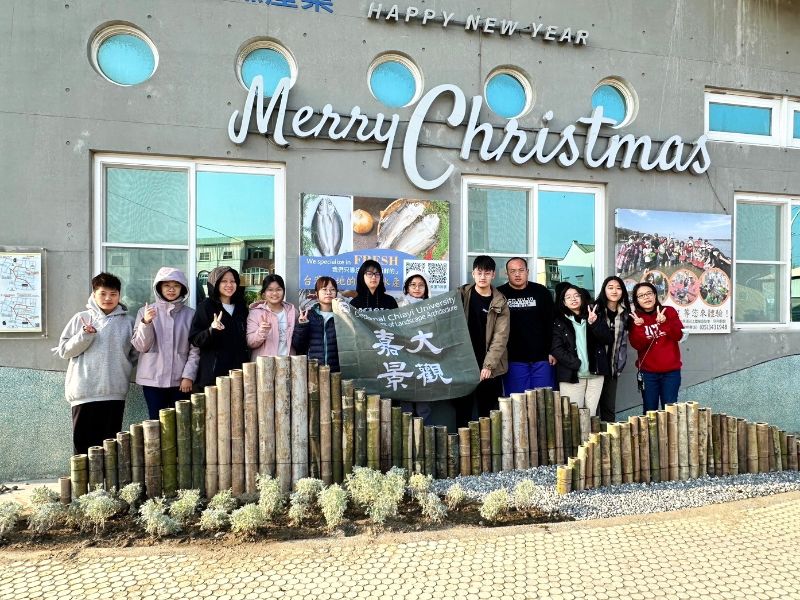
(419, 352)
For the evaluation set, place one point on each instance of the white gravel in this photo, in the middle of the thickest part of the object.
(629, 498)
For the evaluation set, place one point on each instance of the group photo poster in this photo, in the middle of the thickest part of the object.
(686, 256)
(405, 235)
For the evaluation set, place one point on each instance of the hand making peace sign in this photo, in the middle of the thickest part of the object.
(217, 322)
(87, 326)
(592, 314)
(264, 326)
(303, 317)
(660, 316)
(637, 320)
(149, 313)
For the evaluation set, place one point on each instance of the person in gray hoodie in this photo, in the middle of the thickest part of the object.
(97, 343)
(167, 361)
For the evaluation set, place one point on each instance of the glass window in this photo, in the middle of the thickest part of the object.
(271, 64)
(758, 231)
(735, 118)
(124, 55)
(794, 274)
(612, 101)
(757, 293)
(394, 80)
(139, 266)
(498, 221)
(796, 125)
(507, 94)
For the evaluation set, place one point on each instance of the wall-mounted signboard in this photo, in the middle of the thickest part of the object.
(21, 294)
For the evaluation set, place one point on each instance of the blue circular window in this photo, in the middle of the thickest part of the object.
(617, 99)
(124, 55)
(395, 81)
(270, 64)
(508, 94)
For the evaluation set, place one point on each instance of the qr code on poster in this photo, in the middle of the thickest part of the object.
(437, 272)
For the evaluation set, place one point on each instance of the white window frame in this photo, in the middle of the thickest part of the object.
(532, 188)
(791, 108)
(785, 263)
(192, 167)
(774, 139)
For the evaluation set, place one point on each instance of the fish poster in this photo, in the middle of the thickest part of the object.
(686, 256)
(340, 232)
(418, 352)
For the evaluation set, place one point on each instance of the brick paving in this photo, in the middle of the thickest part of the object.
(748, 549)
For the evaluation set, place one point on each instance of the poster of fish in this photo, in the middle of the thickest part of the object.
(686, 256)
(404, 235)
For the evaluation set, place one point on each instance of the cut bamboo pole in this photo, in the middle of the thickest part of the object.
(575, 463)
(644, 450)
(541, 427)
(533, 417)
(655, 448)
(597, 460)
(520, 417)
(496, 426)
(784, 450)
(626, 452)
(183, 443)
(137, 454)
(605, 459)
(110, 464)
(595, 424)
(764, 446)
(776, 449)
(771, 448)
(237, 432)
(123, 458)
(212, 470)
(441, 451)
(464, 446)
(96, 460)
(663, 444)
(452, 456)
(408, 442)
(326, 425)
(723, 441)
(374, 431)
(752, 448)
(429, 434)
(485, 426)
(581, 462)
(151, 435)
(733, 445)
(633, 423)
(584, 424)
(65, 490)
(198, 403)
(348, 387)
(575, 418)
(615, 433)
(507, 441)
(336, 427)
(589, 465)
(79, 474)
(397, 436)
(741, 438)
(250, 420)
(386, 434)
(169, 451)
(549, 402)
(692, 422)
(683, 442)
(265, 400)
(563, 479)
(566, 428)
(703, 415)
(314, 421)
(672, 442)
(299, 418)
(360, 429)
(475, 446)
(710, 464)
(348, 433)
(559, 427)
(791, 452)
(716, 444)
(421, 450)
(283, 424)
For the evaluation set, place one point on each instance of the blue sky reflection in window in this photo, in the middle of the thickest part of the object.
(269, 63)
(796, 130)
(505, 95)
(126, 59)
(612, 101)
(735, 118)
(393, 84)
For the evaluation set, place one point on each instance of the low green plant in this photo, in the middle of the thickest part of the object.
(524, 496)
(43, 495)
(214, 519)
(185, 507)
(307, 489)
(223, 500)
(10, 512)
(270, 497)
(419, 484)
(131, 494)
(433, 509)
(155, 520)
(46, 516)
(333, 502)
(495, 504)
(248, 520)
(378, 494)
(455, 496)
(96, 508)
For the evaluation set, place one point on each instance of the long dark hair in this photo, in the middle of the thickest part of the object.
(361, 286)
(602, 299)
(272, 279)
(649, 286)
(561, 308)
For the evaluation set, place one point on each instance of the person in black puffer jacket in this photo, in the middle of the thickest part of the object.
(315, 332)
(219, 328)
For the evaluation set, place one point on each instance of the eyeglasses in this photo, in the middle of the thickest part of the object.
(328, 290)
(371, 274)
(482, 273)
(417, 286)
(645, 295)
(517, 271)
(572, 297)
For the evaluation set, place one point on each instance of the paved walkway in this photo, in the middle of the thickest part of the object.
(749, 549)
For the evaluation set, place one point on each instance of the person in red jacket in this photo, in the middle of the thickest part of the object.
(655, 333)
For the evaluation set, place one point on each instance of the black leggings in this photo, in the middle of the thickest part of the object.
(94, 422)
(483, 399)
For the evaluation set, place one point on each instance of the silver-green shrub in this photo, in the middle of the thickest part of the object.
(270, 497)
(223, 500)
(214, 519)
(524, 495)
(43, 495)
(247, 521)
(433, 509)
(96, 508)
(495, 504)
(184, 508)
(455, 496)
(9, 515)
(333, 502)
(46, 516)
(155, 520)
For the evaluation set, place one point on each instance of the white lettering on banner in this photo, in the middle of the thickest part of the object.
(525, 146)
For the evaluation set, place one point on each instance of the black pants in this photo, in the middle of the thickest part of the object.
(94, 422)
(607, 409)
(482, 399)
(158, 398)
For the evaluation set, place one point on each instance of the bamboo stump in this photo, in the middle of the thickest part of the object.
(741, 438)
(581, 462)
(96, 462)
(441, 451)
(507, 433)
(605, 459)
(110, 464)
(703, 415)
(386, 434)
(752, 448)
(633, 424)
(541, 426)
(584, 424)
(563, 479)
(348, 433)
(559, 428)
(123, 458)
(421, 450)
(475, 446)
(283, 423)
(452, 456)
(169, 451)
(597, 460)
(336, 427)
(496, 426)
(485, 426)
(198, 402)
(408, 442)
(655, 447)
(237, 432)
(533, 417)
(65, 490)
(663, 443)
(791, 452)
(626, 451)
(566, 428)
(314, 421)
(595, 424)
(374, 431)
(776, 465)
(550, 425)
(79, 474)
(575, 418)
(724, 440)
(716, 441)
(299, 371)
(589, 464)
(733, 445)
(784, 449)
(151, 434)
(265, 401)
(574, 464)
(615, 433)
(764, 447)
(251, 431)
(429, 434)
(212, 470)
(683, 442)
(672, 442)
(397, 436)
(183, 443)
(360, 426)
(137, 454)
(464, 443)
(692, 422)
(644, 450)
(520, 418)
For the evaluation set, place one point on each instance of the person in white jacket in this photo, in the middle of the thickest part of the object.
(97, 343)
(168, 362)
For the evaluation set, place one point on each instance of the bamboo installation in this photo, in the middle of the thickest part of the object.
(421, 450)
(441, 451)
(250, 420)
(464, 445)
(692, 422)
(374, 431)
(550, 417)
(314, 444)
(520, 416)
(672, 442)
(137, 454)
(507, 436)
(110, 463)
(151, 433)
(169, 451)
(496, 427)
(265, 405)
(283, 424)
(224, 433)
(198, 404)
(386, 434)
(485, 426)
(237, 432)
(533, 417)
(96, 477)
(299, 373)
(79, 474)
(212, 470)
(360, 429)
(123, 443)
(397, 436)
(615, 434)
(183, 443)
(337, 427)
(65, 490)
(348, 433)
(564, 479)
(408, 441)
(429, 443)
(452, 455)
(475, 446)
(541, 427)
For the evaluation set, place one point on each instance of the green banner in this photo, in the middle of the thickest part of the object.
(419, 352)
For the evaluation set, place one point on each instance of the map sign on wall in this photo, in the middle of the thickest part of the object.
(686, 256)
(340, 232)
(20, 291)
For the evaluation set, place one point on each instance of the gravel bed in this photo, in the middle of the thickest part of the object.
(629, 498)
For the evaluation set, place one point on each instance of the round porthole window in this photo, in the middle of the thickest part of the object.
(618, 100)
(508, 93)
(124, 55)
(394, 80)
(268, 59)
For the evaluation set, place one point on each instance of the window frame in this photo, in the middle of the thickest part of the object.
(406, 61)
(102, 161)
(112, 30)
(629, 95)
(522, 78)
(532, 188)
(792, 107)
(785, 203)
(751, 101)
(265, 44)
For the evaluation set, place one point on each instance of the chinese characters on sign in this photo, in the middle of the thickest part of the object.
(316, 5)
(394, 375)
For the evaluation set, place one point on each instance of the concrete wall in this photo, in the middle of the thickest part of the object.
(56, 111)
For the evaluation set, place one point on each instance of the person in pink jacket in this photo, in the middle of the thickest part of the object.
(271, 320)
(167, 361)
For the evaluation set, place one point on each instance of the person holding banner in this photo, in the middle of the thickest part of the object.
(488, 321)
(315, 332)
(415, 289)
(370, 290)
(579, 344)
(270, 323)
